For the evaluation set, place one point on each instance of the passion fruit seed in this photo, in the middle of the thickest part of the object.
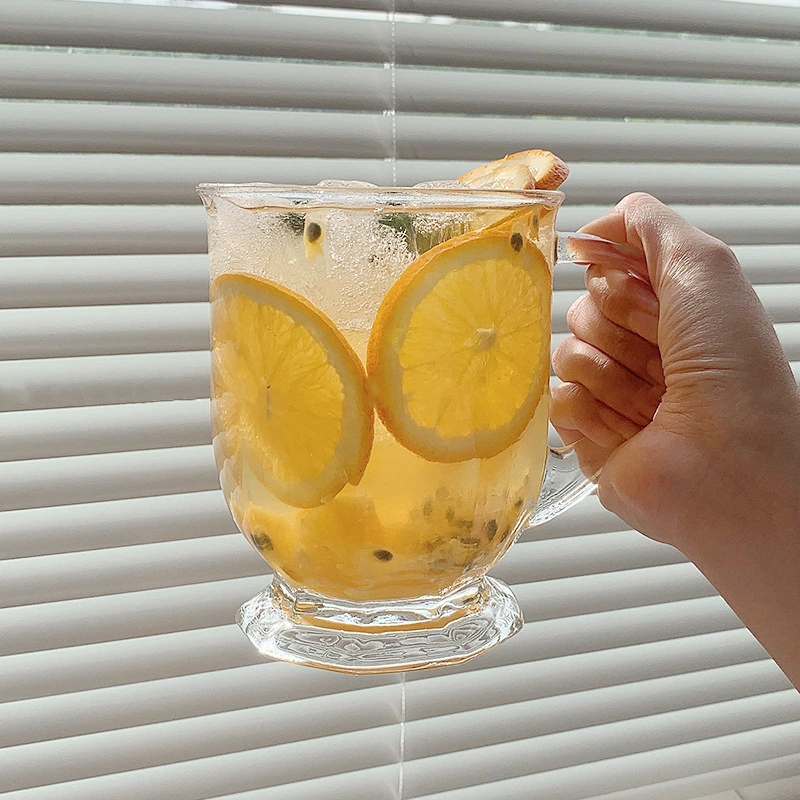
(427, 508)
(262, 541)
(516, 242)
(382, 555)
(491, 529)
(314, 231)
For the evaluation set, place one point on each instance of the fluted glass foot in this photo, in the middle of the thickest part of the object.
(309, 629)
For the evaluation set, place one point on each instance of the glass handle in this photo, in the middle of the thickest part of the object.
(583, 248)
(564, 483)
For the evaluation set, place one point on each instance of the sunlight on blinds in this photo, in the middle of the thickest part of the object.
(122, 673)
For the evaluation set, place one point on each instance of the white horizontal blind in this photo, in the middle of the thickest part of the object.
(122, 674)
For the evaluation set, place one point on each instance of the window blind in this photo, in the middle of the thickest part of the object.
(121, 672)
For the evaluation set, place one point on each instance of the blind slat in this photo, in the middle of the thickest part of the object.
(120, 616)
(533, 560)
(729, 696)
(377, 783)
(128, 569)
(631, 585)
(151, 377)
(39, 126)
(643, 574)
(103, 330)
(97, 380)
(106, 476)
(364, 717)
(114, 523)
(55, 433)
(111, 330)
(91, 127)
(247, 769)
(523, 94)
(156, 611)
(83, 667)
(285, 35)
(553, 677)
(701, 16)
(774, 771)
(251, 32)
(240, 31)
(264, 684)
(582, 782)
(133, 179)
(100, 280)
(207, 81)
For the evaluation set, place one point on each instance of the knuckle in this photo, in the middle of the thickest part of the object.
(566, 394)
(560, 355)
(610, 296)
(576, 312)
(637, 199)
(589, 361)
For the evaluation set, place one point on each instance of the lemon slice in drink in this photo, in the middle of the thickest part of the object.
(289, 390)
(458, 357)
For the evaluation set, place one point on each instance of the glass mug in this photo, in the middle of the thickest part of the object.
(379, 402)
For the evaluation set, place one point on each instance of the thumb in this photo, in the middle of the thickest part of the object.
(681, 259)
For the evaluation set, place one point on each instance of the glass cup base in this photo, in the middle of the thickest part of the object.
(360, 638)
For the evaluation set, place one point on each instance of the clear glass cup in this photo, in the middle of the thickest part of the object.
(389, 570)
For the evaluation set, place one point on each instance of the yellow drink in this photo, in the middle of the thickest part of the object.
(410, 528)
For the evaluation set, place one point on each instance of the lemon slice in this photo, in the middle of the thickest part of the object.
(289, 390)
(529, 169)
(458, 357)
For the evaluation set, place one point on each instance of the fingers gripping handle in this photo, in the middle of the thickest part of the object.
(583, 248)
(564, 483)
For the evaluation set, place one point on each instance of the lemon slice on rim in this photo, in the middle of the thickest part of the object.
(289, 391)
(458, 357)
(529, 169)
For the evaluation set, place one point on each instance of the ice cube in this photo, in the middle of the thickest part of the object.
(344, 184)
(365, 258)
(253, 241)
(452, 184)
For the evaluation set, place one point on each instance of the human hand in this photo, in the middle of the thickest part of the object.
(676, 388)
(675, 378)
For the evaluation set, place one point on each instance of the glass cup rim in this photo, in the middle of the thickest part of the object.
(297, 196)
